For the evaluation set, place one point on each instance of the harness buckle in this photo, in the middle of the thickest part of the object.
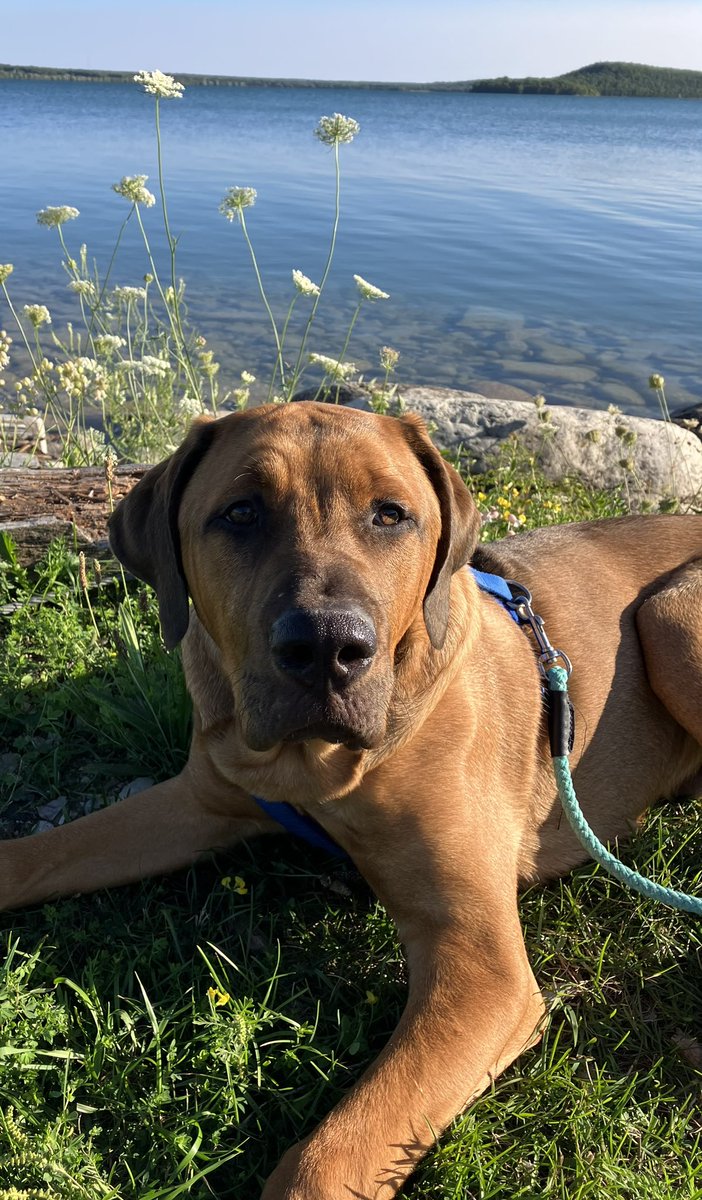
(521, 606)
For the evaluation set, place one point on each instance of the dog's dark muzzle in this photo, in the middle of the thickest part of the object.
(323, 650)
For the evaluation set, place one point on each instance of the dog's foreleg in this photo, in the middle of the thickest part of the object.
(473, 1006)
(158, 830)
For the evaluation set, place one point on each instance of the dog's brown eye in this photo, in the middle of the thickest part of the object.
(388, 514)
(242, 512)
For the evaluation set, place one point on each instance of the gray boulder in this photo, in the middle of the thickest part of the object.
(654, 459)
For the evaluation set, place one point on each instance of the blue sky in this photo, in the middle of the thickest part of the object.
(360, 39)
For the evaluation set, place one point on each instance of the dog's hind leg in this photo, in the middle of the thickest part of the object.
(670, 628)
(158, 830)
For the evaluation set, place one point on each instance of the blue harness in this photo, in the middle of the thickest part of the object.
(306, 827)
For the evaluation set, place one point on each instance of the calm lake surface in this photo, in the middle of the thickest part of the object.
(552, 243)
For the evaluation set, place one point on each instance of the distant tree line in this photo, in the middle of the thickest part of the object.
(605, 79)
(599, 79)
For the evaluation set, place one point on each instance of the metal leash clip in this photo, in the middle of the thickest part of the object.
(520, 604)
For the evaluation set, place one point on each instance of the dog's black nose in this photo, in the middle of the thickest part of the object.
(324, 646)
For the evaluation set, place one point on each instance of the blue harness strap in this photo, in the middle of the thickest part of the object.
(497, 587)
(310, 830)
(300, 825)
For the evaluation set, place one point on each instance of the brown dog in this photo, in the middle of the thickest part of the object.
(340, 659)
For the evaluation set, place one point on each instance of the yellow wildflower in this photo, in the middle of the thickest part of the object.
(219, 999)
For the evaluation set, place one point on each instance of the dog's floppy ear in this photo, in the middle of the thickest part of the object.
(144, 529)
(460, 525)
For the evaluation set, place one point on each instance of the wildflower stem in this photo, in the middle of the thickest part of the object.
(94, 309)
(340, 359)
(282, 342)
(279, 367)
(103, 289)
(184, 362)
(19, 325)
(176, 322)
(349, 331)
(325, 274)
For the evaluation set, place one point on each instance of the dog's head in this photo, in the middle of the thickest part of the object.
(313, 541)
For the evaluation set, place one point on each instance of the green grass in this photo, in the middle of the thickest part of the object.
(122, 1077)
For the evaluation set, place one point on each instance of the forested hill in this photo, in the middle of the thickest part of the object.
(599, 79)
(605, 79)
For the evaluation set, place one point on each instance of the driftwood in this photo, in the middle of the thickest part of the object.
(38, 505)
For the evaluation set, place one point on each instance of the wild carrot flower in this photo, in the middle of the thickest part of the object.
(235, 200)
(129, 293)
(107, 342)
(132, 188)
(188, 406)
(389, 358)
(335, 130)
(5, 343)
(38, 314)
(368, 290)
(83, 287)
(6, 270)
(158, 84)
(247, 378)
(75, 375)
(331, 366)
(52, 217)
(149, 364)
(304, 284)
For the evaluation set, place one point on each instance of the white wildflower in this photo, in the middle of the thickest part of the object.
(158, 84)
(304, 285)
(6, 270)
(83, 287)
(336, 129)
(76, 375)
(236, 199)
(247, 378)
(189, 406)
(149, 364)
(172, 295)
(132, 188)
(389, 358)
(334, 368)
(90, 445)
(368, 290)
(52, 217)
(5, 343)
(129, 293)
(38, 314)
(656, 382)
(107, 342)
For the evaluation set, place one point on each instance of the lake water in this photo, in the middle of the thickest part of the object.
(552, 243)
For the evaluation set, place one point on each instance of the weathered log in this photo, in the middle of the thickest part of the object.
(38, 505)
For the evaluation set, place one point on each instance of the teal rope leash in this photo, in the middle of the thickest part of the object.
(558, 683)
(561, 726)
